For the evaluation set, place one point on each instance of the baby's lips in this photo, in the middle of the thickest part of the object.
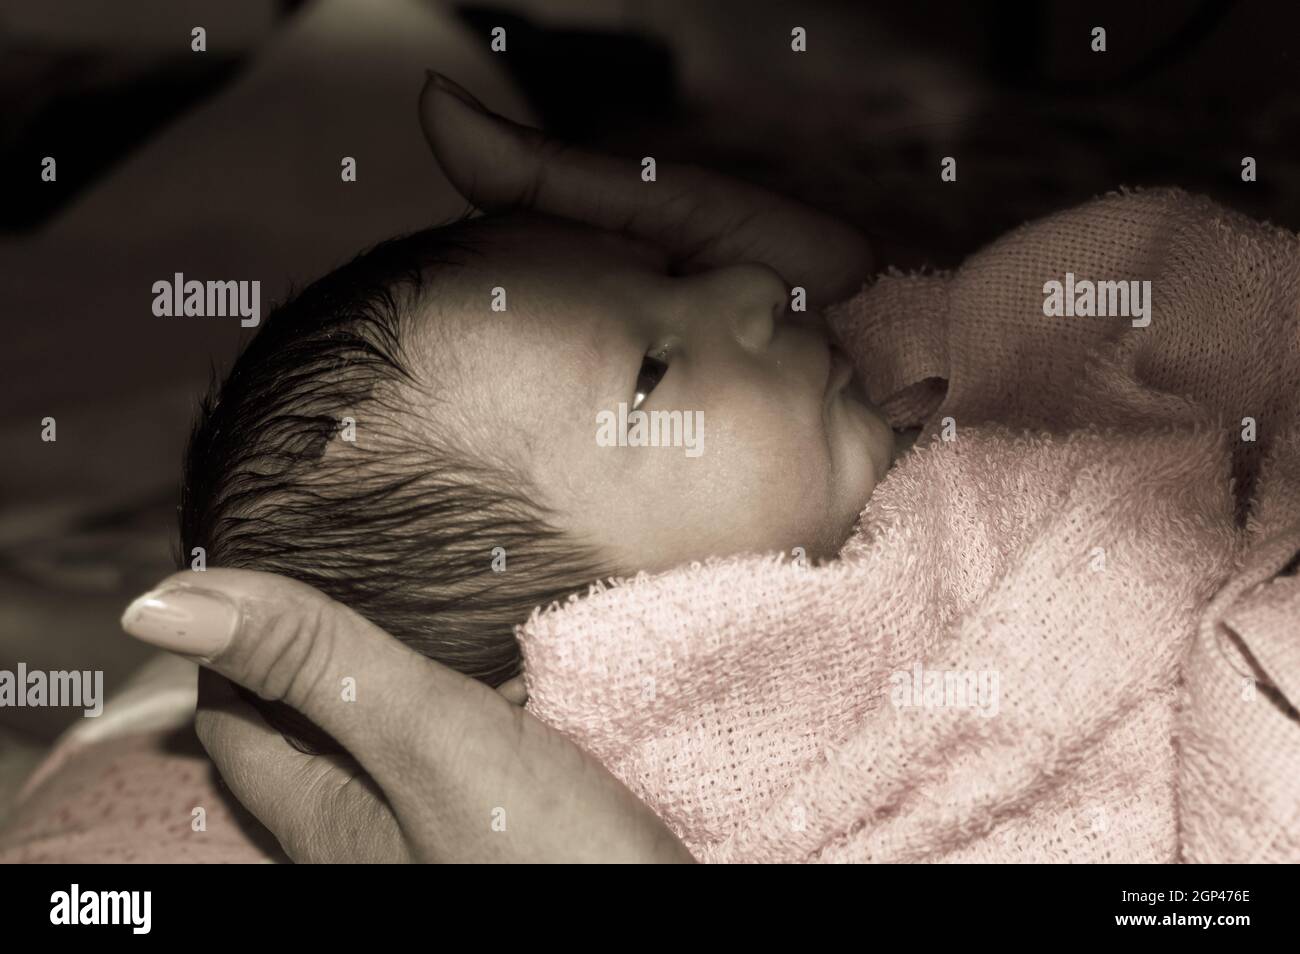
(841, 371)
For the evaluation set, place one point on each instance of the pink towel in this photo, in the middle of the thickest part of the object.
(1064, 629)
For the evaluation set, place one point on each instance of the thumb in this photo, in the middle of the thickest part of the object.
(290, 643)
(485, 156)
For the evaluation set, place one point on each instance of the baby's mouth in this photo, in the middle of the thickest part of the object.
(839, 373)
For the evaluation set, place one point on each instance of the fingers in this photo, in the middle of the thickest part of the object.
(499, 164)
(450, 755)
(515, 691)
(454, 760)
(319, 809)
(702, 218)
(289, 642)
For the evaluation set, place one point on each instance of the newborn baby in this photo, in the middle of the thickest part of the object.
(435, 462)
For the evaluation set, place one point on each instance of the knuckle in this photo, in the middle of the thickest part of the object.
(679, 204)
(301, 645)
(302, 810)
(548, 152)
(361, 825)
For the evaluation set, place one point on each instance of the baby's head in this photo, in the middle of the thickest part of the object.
(420, 435)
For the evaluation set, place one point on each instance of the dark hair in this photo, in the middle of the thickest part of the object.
(398, 525)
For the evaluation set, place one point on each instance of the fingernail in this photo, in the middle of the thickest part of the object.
(193, 622)
(448, 85)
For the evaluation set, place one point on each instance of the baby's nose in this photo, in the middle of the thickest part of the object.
(753, 298)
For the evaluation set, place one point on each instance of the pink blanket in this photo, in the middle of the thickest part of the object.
(1067, 627)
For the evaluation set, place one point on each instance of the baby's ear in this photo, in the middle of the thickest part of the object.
(514, 690)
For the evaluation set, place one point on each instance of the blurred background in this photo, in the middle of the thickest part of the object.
(225, 164)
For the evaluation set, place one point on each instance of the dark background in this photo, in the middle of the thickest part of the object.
(1009, 87)
(225, 164)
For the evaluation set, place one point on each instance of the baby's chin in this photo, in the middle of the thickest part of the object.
(872, 430)
(863, 453)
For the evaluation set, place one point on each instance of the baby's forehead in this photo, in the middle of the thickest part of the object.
(524, 274)
(516, 323)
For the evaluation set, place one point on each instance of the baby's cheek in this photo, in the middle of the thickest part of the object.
(759, 485)
(790, 506)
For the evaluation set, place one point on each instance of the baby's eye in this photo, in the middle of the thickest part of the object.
(653, 369)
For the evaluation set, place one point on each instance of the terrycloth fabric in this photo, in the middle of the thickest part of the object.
(1088, 542)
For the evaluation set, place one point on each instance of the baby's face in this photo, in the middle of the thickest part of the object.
(776, 449)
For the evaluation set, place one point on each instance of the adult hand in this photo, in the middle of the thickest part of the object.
(446, 769)
(704, 219)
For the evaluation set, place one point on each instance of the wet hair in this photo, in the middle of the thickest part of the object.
(400, 524)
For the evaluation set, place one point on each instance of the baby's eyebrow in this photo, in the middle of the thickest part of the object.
(601, 357)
